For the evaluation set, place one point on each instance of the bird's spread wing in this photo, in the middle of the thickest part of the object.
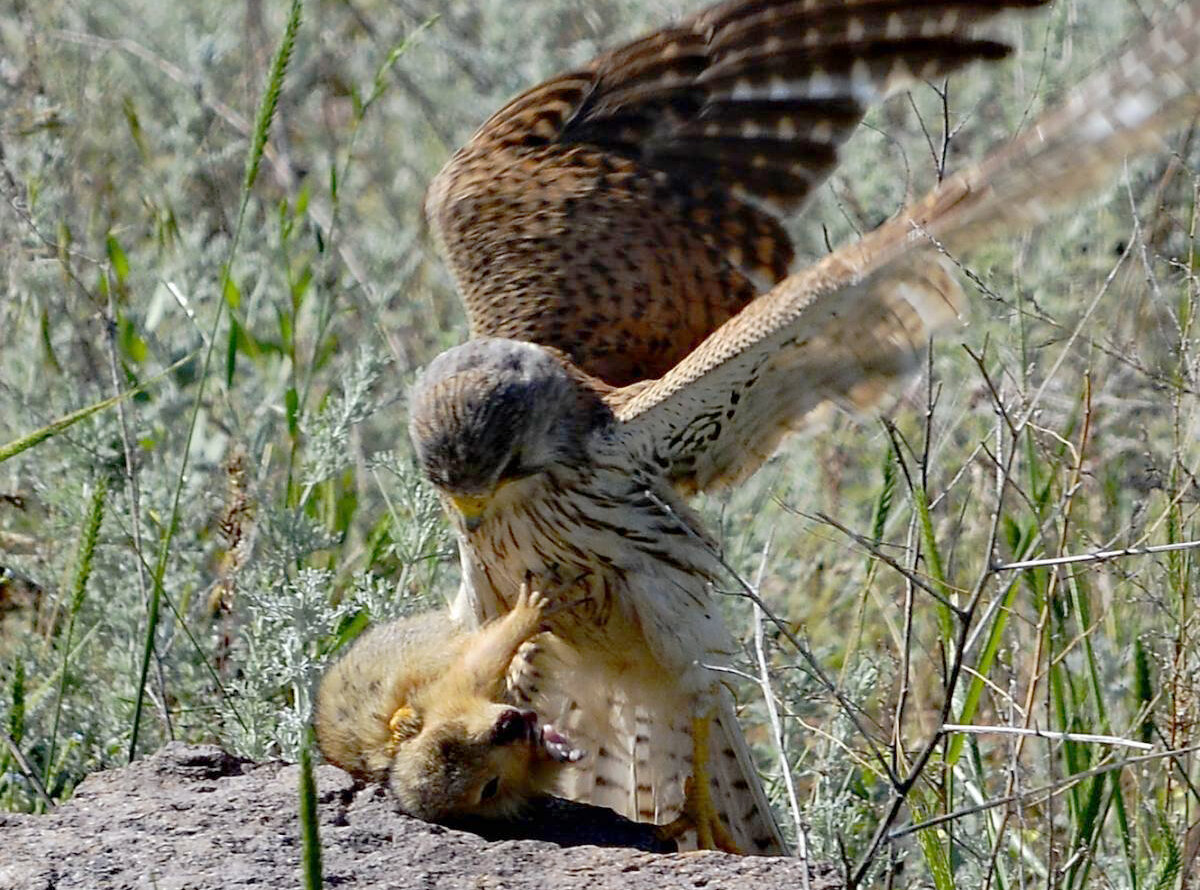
(623, 212)
(838, 332)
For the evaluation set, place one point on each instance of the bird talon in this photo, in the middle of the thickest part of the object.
(711, 833)
(698, 808)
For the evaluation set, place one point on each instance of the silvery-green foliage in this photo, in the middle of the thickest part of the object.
(419, 530)
(289, 536)
(843, 789)
(328, 430)
(289, 616)
(382, 600)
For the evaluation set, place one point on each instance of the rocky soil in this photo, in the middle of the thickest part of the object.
(194, 817)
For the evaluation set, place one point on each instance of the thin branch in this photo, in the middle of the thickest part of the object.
(870, 546)
(966, 616)
(764, 681)
(1051, 790)
(1097, 556)
(1047, 734)
(26, 768)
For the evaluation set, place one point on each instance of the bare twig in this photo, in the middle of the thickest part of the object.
(1047, 734)
(965, 616)
(26, 768)
(912, 577)
(1097, 556)
(1044, 791)
(764, 681)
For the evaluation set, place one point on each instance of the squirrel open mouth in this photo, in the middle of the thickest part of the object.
(557, 746)
(515, 726)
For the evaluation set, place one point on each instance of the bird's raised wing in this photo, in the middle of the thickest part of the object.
(623, 212)
(839, 332)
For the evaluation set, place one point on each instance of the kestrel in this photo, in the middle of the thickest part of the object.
(615, 234)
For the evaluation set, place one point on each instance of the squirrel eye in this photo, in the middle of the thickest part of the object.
(490, 790)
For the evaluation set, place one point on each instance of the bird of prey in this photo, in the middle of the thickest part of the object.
(640, 336)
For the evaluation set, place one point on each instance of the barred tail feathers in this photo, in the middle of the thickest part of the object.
(638, 737)
(737, 790)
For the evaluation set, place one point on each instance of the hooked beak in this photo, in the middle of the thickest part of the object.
(472, 509)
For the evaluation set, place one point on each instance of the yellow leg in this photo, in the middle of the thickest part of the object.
(711, 833)
(700, 793)
(699, 812)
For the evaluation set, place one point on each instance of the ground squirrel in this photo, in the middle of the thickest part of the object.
(418, 703)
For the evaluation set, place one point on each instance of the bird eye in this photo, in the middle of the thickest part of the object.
(490, 790)
(513, 469)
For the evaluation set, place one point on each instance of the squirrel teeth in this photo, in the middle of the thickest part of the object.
(558, 746)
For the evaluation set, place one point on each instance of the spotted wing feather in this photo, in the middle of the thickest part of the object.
(841, 331)
(623, 212)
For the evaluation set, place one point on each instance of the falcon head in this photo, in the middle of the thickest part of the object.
(493, 411)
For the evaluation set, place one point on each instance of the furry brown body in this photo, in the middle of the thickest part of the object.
(418, 703)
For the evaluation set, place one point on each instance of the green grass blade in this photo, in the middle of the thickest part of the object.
(83, 570)
(310, 837)
(266, 112)
(15, 447)
(933, 846)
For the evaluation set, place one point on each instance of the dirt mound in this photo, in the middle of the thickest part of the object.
(195, 817)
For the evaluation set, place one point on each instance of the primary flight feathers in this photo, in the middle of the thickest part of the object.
(623, 212)
(837, 332)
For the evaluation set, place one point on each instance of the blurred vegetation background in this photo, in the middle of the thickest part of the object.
(298, 517)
